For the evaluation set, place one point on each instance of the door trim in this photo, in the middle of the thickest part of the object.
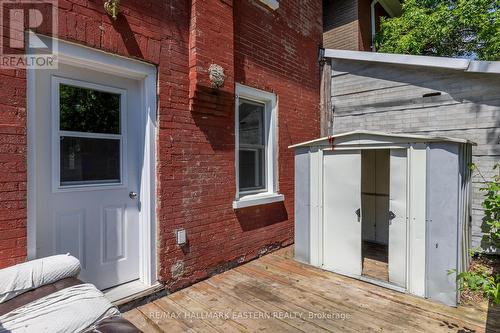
(82, 56)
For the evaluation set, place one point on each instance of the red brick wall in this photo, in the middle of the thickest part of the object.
(12, 167)
(274, 51)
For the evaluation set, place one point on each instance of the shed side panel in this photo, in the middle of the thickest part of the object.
(442, 218)
(302, 205)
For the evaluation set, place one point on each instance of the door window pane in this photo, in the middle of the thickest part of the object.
(251, 175)
(89, 160)
(251, 119)
(87, 110)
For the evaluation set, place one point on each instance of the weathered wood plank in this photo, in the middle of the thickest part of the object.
(376, 313)
(314, 306)
(140, 321)
(156, 315)
(282, 307)
(262, 295)
(279, 265)
(191, 305)
(241, 312)
(187, 317)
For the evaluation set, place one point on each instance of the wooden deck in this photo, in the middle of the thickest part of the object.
(375, 259)
(277, 294)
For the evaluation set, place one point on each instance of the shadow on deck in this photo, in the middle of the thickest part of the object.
(277, 294)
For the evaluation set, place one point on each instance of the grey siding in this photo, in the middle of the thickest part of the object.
(302, 205)
(390, 98)
(442, 222)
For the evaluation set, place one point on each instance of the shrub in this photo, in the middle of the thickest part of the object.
(481, 278)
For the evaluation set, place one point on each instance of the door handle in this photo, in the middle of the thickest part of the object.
(392, 216)
(358, 213)
(132, 195)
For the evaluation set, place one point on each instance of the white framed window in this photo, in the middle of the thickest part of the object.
(88, 136)
(256, 144)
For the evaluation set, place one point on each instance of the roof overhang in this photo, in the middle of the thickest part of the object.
(392, 7)
(362, 137)
(466, 65)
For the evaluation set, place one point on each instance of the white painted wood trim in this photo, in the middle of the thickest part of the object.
(257, 199)
(148, 234)
(271, 109)
(32, 164)
(130, 291)
(82, 56)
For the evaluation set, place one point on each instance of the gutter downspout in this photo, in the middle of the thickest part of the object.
(372, 14)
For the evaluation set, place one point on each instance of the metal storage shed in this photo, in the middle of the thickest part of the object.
(391, 209)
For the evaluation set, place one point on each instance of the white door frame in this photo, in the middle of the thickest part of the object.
(82, 56)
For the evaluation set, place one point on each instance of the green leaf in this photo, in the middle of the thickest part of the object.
(454, 28)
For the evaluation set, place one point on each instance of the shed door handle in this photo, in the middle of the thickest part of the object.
(392, 216)
(358, 213)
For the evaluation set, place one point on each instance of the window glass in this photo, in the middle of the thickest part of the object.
(251, 117)
(87, 110)
(251, 120)
(251, 175)
(89, 160)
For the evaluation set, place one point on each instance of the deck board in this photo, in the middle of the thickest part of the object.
(278, 294)
(375, 261)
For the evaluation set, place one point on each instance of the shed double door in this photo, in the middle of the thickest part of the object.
(342, 235)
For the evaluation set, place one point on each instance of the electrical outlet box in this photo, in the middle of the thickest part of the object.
(181, 236)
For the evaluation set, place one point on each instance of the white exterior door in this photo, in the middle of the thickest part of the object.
(342, 211)
(397, 217)
(88, 152)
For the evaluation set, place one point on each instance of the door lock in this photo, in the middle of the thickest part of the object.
(132, 195)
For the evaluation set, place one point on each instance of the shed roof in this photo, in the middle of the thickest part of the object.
(465, 65)
(364, 137)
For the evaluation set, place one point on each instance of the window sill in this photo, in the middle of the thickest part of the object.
(257, 199)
